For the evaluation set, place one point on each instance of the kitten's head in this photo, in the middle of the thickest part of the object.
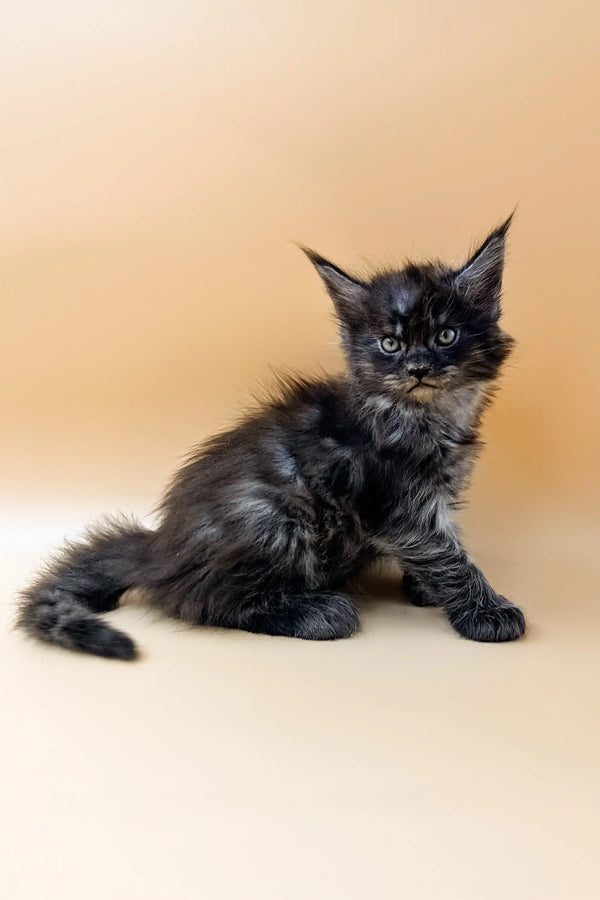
(424, 329)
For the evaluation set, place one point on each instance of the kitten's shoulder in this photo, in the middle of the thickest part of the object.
(293, 408)
(290, 392)
(318, 409)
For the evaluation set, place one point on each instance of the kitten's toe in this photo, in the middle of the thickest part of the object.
(318, 616)
(325, 617)
(415, 592)
(501, 622)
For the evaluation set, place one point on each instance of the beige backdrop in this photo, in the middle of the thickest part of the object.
(158, 160)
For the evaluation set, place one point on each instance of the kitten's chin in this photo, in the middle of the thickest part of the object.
(422, 393)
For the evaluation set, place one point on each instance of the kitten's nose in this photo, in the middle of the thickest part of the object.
(419, 373)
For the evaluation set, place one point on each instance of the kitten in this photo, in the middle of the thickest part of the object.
(266, 522)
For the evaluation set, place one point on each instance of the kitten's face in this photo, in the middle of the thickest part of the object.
(418, 334)
(415, 333)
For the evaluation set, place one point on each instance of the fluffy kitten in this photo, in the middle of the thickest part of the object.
(266, 522)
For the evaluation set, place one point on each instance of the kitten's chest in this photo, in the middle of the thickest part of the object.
(444, 451)
(450, 466)
(421, 478)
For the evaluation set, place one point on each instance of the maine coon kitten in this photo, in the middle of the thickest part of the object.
(266, 522)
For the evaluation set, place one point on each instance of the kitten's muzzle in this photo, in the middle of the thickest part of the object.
(421, 384)
(420, 374)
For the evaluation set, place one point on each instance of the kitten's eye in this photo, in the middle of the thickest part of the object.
(446, 336)
(390, 344)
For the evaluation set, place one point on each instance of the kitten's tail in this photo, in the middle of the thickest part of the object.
(84, 579)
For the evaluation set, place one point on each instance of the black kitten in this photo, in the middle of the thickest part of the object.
(266, 522)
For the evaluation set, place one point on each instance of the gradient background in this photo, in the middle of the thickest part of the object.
(158, 161)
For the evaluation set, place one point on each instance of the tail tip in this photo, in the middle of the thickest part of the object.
(121, 647)
(91, 635)
(66, 622)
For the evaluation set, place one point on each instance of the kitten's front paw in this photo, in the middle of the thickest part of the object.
(499, 622)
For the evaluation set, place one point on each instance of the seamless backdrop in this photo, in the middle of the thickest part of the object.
(159, 160)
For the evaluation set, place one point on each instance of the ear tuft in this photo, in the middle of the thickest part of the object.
(348, 293)
(480, 279)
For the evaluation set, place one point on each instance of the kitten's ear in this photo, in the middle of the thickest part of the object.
(348, 293)
(480, 279)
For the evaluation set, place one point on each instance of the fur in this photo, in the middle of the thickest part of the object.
(265, 524)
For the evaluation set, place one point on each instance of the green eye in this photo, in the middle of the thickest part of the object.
(390, 344)
(446, 336)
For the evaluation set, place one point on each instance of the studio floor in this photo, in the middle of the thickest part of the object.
(404, 763)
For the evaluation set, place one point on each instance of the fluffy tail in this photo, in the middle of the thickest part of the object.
(87, 578)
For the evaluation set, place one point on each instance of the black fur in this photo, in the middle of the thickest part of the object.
(264, 525)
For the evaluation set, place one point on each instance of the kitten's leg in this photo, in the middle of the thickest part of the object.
(313, 616)
(264, 577)
(417, 591)
(474, 609)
